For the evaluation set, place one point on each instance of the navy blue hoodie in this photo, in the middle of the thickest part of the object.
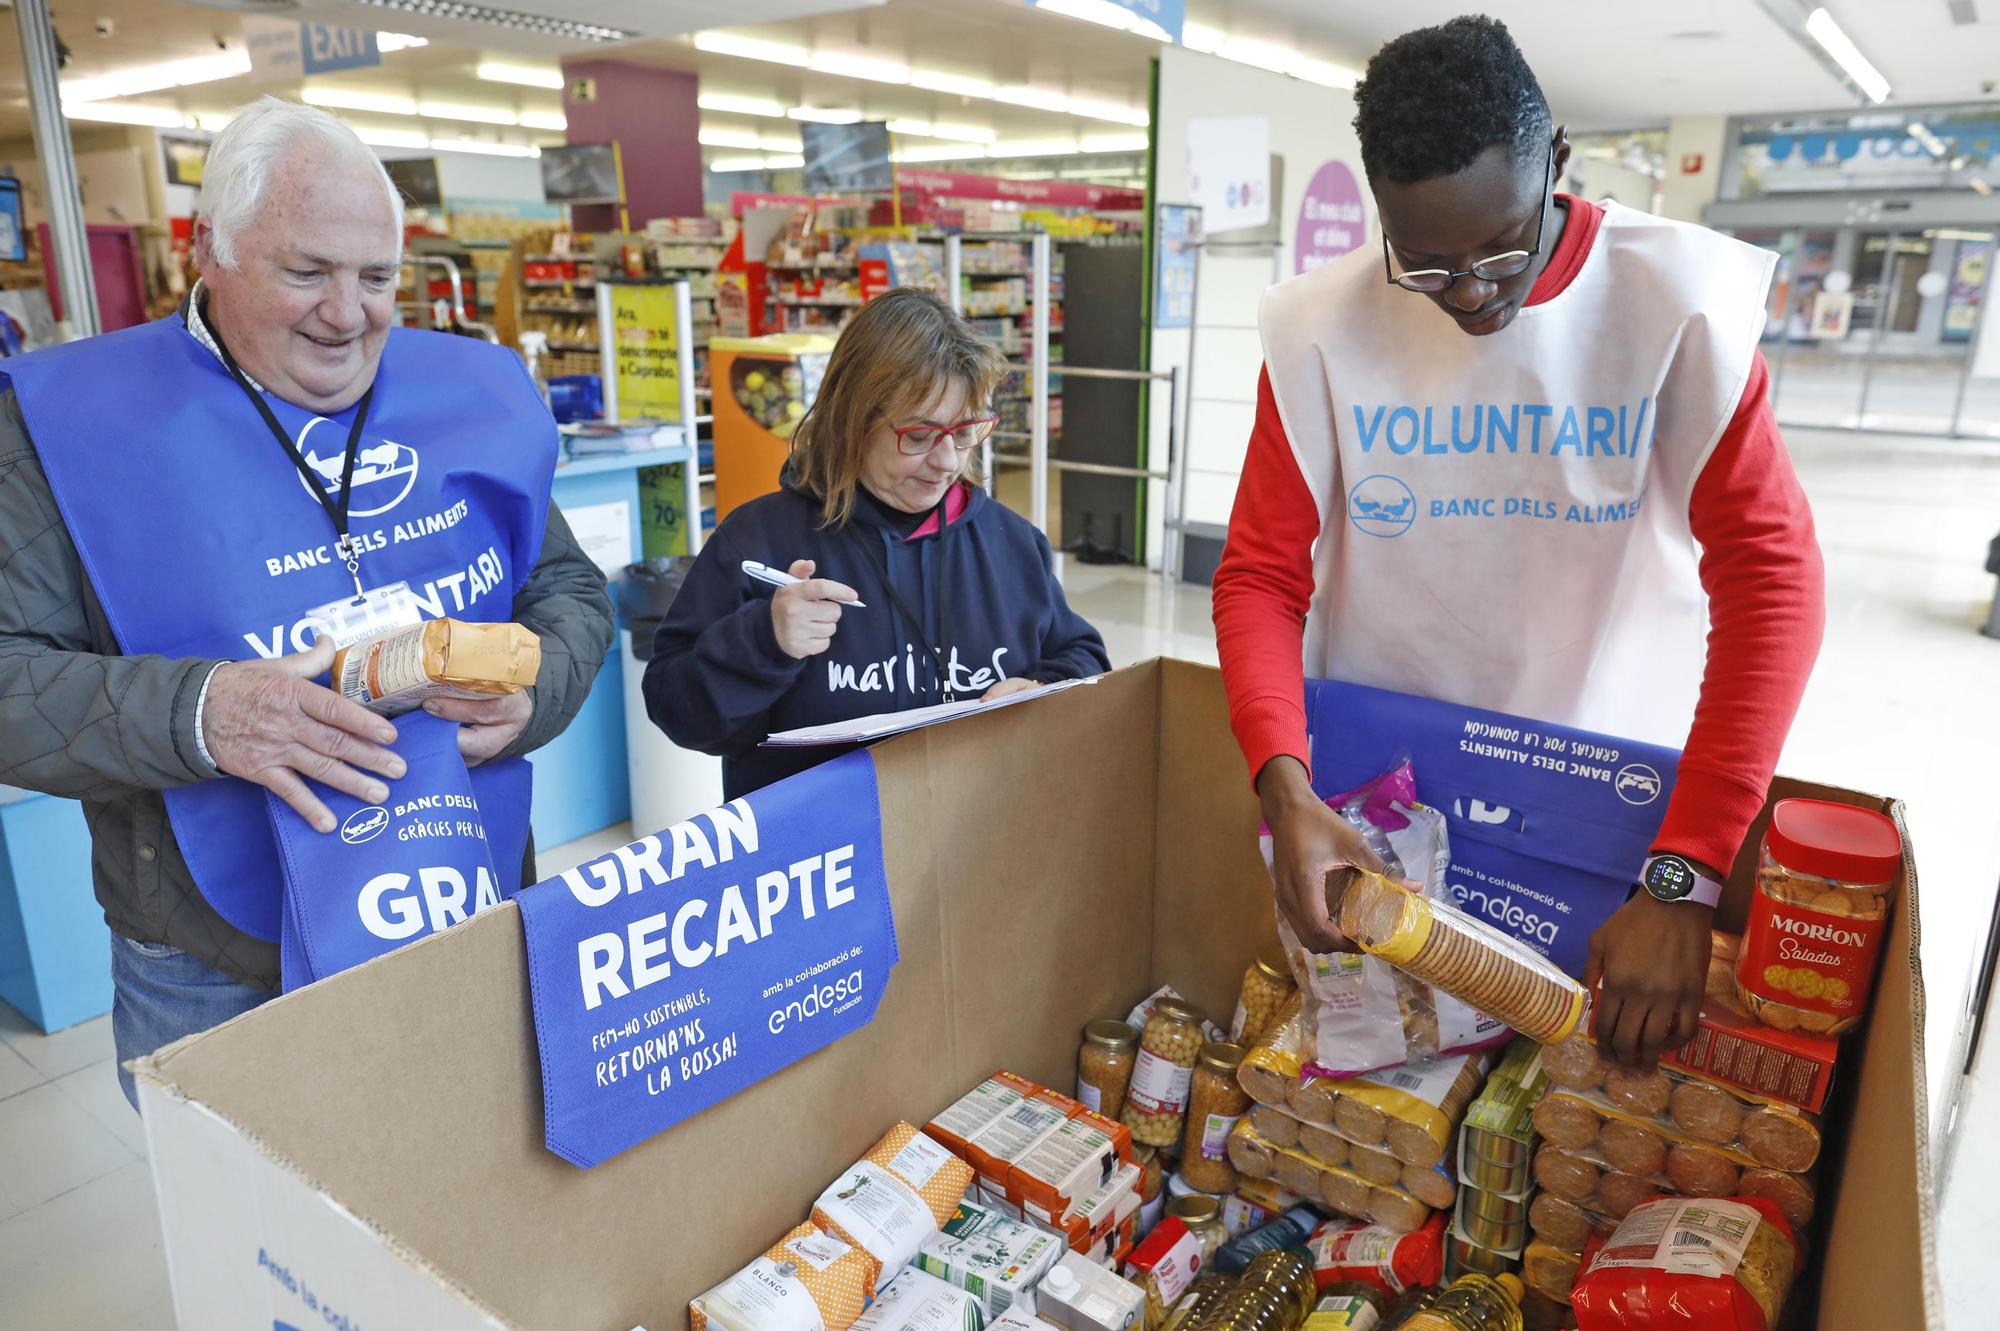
(982, 587)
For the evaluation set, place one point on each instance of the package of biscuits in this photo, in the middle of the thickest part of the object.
(399, 671)
(1590, 1181)
(1271, 1066)
(1586, 1093)
(1565, 1224)
(1682, 1263)
(1461, 956)
(1550, 1271)
(1360, 1013)
(809, 1280)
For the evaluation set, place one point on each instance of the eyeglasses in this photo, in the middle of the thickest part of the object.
(1497, 268)
(917, 440)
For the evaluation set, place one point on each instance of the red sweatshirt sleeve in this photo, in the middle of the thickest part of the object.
(1261, 591)
(1760, 565)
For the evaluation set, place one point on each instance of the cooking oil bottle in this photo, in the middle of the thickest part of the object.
(1473, 1302)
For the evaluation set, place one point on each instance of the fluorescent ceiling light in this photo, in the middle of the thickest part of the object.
(1323, 72)
(1837, 44)
(1041, 99)
(1201, 37)
(939, 152)
(528, 76)
(383, 137)
(1116, 143)
(346, 99)
(213, 120)
(478, 115)
(1032, 148)
(737, 164)
(938, 81)
(125, 113)
(963, 133)
(386, 42)
(750, 48)
(783, 163)
(778, 143)
(486, 146)
(743, 106)
(1091, 109)
(825, 115)
(1107, 14)
(1923, 134)
(718, 137)
(1980, 186)
(1263, 55)
(873, 68)
(554, 120)
(152, 78)
(919, 128)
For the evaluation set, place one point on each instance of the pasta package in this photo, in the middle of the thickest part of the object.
(1717, 1265)
(1458, 955)
(894, 1197)
(399, 671)
(808, 1281)
(1348, 1250)
(1672, 1105)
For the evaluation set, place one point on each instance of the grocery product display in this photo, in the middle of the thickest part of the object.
(398, 671)
(1826, 878)
(1665, 1109)
(1727, 1265)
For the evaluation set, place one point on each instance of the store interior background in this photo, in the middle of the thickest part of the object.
(1885, 362)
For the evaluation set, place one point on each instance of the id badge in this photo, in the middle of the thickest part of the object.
(353, 618)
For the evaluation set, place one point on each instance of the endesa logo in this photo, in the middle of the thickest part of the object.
(1524, 924)
(837, 996)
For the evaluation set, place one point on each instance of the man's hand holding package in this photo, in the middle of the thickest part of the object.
(1309, 843)
(486, 725)
(1652, 958)
(269, 723)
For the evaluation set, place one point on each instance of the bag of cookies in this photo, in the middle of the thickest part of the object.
(1361, 1013)
(1270, 1069)
(1677, 1106)
(1463, 957)
(1717, 1265)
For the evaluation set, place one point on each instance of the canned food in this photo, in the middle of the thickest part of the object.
(1483, 1174)
(1463, 1255)
(1495, 1148)
(1491, 1221)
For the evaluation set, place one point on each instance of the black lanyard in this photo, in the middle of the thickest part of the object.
(346, 547)
(875, 557)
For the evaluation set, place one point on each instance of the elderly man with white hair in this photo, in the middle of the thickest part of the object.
(192, 510)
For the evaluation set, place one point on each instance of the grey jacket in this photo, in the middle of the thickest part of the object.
(80, 720)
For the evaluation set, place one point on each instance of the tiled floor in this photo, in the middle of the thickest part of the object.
(1906, 701)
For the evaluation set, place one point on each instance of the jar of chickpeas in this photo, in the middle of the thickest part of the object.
(1104, 1066)
(1826, 881)
(1169, 1047)
(1266, 986)
(1202, 1214)
(1215, 1103)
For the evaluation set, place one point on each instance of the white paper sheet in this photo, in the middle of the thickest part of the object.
(863, 729)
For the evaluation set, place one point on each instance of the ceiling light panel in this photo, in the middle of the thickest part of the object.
(742, 106)
(554, 120)
(154, 77)
(750, 48)
(486, 147)
(125, 113)
(825, 115)
(348, 99)
(528, 76)
(1117, 114)
(718, 137)
(963, 133)
(1032, 148)
(1041, 99)
(385, 42)
(478, 115)
(961, 85)
(384, 137)
(873, 68)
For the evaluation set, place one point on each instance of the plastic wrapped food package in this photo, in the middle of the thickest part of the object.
(1254, 1155)
(1451, 951)
(808, 1278)
(1826, 882)
(1549, 1270)
(1271, 1067)
(1323, 1144)
(1267, 984)
(1278, 1127)
(1565, 1224)
(1692, 1113)
(1354, 1250)
(1718, 1265)
(1360, 1013)
(1434, 1187)
(894, 1197)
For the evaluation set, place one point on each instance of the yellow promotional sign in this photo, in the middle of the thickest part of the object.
(645, 351)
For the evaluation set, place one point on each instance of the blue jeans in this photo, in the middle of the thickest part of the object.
(160, 994)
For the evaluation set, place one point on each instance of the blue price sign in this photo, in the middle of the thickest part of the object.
(674, 972)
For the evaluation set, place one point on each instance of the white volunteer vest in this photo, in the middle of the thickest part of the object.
(1504, 520)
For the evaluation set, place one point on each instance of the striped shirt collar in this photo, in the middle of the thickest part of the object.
(198, 327)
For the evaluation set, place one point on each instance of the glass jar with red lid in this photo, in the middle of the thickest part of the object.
(1826, 880)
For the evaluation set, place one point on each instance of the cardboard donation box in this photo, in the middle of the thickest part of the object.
(369, 1151)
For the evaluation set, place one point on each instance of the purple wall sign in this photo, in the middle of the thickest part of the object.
(1331, 218)
(651, 114)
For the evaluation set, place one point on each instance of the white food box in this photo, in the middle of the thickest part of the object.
(996, 1260)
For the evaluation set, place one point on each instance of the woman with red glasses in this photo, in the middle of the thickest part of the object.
(914, 588)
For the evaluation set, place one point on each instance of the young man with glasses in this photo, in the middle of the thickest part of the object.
(1542, 516)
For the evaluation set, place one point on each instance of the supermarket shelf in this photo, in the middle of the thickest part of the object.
(838, 302)
(482, 244)
(587, 348)
(814, 267)
(547, 283)
(650, 457)
(688, 240)
(996, 272)
(687, 267)
(558, 258)
(547, 305)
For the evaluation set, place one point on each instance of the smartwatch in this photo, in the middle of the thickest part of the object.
(1672, 878)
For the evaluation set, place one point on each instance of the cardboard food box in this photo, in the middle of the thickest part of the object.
(375, 1140)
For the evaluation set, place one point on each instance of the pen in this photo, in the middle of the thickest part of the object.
(779, 578)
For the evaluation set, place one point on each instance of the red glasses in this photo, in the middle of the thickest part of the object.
(917, 440)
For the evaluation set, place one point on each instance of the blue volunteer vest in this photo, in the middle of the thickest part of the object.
(201, 539)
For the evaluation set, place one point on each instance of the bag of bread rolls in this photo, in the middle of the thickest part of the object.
(399, 671)
(808, 1281)
(894, 1197)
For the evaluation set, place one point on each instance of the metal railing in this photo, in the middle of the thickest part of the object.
(456, 310)
(1037, 459)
